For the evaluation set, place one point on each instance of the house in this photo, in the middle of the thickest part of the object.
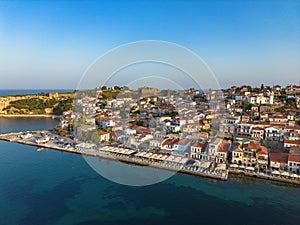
(192, 127)
(213, 148)
(182, 146)
(173, 128)
(273, 134)
(198, 151)
(264, 116)
(278, 119)
(262, 157)
(105, 123)
(257, 133)
(159, 136)
(298, 101)
(291, 143)
(292, 89)
(277, 88)
(231, 120)
(203, 135)
(293, 135)
(255, 111)
(222, 153)
(245, 118)
(261, 98)
(168, 143)
(155, 143)
(118, 136)
(237, 156)
(244, 129)
(267, 108)
(290, 116)
(104, 136)
(129, 131)
(294, 163)
(249, 153)
(228, 125)
(179, 122)
(278, 160)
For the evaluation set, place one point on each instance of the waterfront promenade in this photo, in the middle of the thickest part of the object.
(130, 156)
(102, 153)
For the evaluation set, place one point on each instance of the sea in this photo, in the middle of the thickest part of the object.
(6, 92)
(50, 187)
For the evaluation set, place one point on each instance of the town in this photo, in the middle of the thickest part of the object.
(243, 130)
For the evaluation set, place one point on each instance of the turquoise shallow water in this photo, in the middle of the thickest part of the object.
(51, 187)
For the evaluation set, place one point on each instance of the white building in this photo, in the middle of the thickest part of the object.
(294, 163)
(104, 136)
(261, 98)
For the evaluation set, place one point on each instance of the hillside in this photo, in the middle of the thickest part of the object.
(50, 103)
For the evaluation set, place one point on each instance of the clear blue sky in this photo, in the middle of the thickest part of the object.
(49, 44)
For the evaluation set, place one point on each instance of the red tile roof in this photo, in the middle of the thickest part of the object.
(280, 157)
(294, 158)
(103, 133)
(224, 146)
(295, 142)
(197, 145)
(252, 145)
(183, 142)
(169, 141)
(262, 150)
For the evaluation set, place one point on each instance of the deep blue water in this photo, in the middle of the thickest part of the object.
(51, 187)
(5, 92)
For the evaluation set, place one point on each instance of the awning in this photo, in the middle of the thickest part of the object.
(234, 166)
(250, 168)
(276, 172)
(294, 175)
(285, 174)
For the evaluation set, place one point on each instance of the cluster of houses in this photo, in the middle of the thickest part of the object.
(193, 123)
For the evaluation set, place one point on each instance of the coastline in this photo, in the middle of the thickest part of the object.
(265, 177)
(29, 116)
(7, 137)
(110, 157)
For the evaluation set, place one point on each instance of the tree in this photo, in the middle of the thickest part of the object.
(57, 128)
(262, 86)
(246, 106)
